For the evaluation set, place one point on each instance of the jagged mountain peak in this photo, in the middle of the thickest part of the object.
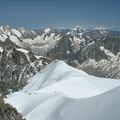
(47, 30)
(78, 28)
(57, 44)
(5, 27)
(101, 29)
(24, 30)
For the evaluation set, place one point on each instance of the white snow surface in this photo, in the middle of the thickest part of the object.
(1, 49)
(16, 32)
(61, 92)
(22, 50)
(47, 30)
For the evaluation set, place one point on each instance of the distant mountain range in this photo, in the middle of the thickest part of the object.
(24, 52)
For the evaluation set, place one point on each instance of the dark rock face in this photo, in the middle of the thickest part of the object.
(61, 48)
(15, 68)
(7, 112)
(91, 51)
(112, 44)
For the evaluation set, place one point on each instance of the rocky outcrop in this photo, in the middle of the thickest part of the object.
(16, 67)
(7, 112)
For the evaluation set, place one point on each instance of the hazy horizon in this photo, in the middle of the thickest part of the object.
(39, 14)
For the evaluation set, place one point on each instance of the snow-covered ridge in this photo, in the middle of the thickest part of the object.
(60, 74)
(61, 92)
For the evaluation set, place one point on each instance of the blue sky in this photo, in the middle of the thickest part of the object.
(60, 13)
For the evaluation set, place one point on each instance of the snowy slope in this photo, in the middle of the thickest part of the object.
(61, 92)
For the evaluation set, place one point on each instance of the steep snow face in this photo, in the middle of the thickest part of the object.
(55, 72)
(16, 32)
(61, 92)
(61, 78)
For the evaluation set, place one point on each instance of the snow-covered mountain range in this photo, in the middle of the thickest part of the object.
(24, 52)
(61, 92)
(41, 87)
